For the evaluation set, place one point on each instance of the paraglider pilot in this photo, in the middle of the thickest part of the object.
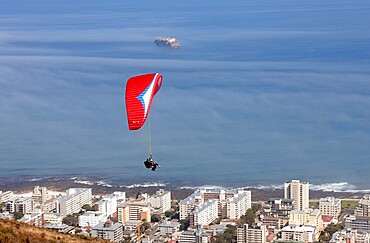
(150, 163)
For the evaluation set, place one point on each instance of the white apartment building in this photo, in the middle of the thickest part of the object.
(91, 218)
(39, 196)
(53, 218)
(73, 201)
(161, 200)
(308, 217)
(187, 237)
(134, 210)
(188, 204)
(363, 207)
(109, 231)
(6, 196)
(251, 234)
(107, 205)
(169, 227)
(120, 196)
(205, 213)
(35, 218)
(306, 234)
(298, 192)
(224, 197)
(238, 205)
(330, 206)
(19, 204)
(346, 236)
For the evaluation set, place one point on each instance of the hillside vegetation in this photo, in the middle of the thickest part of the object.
(14, 231)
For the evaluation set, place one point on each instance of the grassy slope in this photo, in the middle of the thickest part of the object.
(13, 231)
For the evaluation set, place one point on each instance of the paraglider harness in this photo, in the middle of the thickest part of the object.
(151, 164)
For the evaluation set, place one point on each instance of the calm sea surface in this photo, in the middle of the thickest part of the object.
(259, 93)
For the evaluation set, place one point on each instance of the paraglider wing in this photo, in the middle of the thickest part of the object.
(140, 91)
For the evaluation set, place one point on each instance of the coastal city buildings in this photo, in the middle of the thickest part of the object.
(350, 236)
(19, 204)
(360, 220)
(200, 217)
(169, 227)
(35, 217)
(134, 210)
(298, 192)
(73, 201)
(108, 205)
(308, 217)
(330, 206)
(91, 218)
(161, 201)
(301, 233)
(251, 234)
(6, 196)
(363, 207)
(231, 203)
(205, 214)
(109, 231)
(278, 207)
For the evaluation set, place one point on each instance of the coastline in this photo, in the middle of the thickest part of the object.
(100, 188)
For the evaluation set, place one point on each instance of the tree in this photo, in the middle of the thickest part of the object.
(184, 224)
(87, 207)
(168, 214)
(256, 207)
(154, 218)
(228, 236)
(144, 226)
(18, 215)
(328, 232)
(248, 218)
(175, 216)
(71, 219)
(2, 206)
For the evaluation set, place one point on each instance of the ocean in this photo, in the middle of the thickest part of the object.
(259, 93)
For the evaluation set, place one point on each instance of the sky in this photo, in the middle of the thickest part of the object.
(259, 93)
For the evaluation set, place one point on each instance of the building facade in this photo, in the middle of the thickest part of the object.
(91, 218)
(309, 217)
(204, 214)
(161, 200)
(108, 231)
(251, 234)
(19, 204)
(134, 210)
(238, 205)
(306, 234)
(73, 201)
(298, 192)
(363, 207)
(330, 206)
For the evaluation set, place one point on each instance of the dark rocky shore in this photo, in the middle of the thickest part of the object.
(27, 185)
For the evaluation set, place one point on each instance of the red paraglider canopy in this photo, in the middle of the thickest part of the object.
(140, 91)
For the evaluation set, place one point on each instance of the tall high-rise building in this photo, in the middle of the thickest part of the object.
(298, 192)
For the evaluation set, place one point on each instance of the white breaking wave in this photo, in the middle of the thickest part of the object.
(103, 183)
(326, 187)
(337, 187)
(84, 182)
(203, 187)
(268, 187)
(35, 179)
(146, 184)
